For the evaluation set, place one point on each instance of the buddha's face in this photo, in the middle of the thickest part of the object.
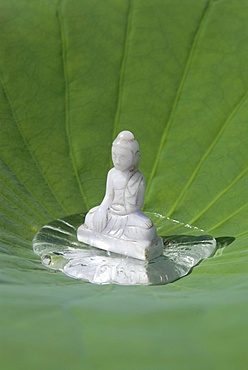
(122, 158)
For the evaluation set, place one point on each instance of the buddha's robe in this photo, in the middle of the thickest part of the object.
(124, 217)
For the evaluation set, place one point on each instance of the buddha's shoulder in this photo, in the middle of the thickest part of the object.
(112, 172)
(136, 178)
(112, 175)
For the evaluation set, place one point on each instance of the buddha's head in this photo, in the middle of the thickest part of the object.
(125, 152)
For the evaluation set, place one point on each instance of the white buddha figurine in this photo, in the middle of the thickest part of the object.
(118, 224)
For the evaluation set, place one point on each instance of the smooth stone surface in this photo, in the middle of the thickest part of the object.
(143, 249)
(118, 224)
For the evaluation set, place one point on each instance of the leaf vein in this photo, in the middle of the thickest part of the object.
(206, 154)
(122, 69)
(178, 94)
(229, 217)
(224, 191)
(17, 206)
(26, 144)
(67, 101)
(39, 205)
(242, 234)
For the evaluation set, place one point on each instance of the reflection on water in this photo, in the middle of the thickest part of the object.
(59, 249)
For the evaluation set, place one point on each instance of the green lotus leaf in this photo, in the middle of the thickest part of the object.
(72, 75)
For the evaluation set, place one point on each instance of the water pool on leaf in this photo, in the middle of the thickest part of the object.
(57, 245)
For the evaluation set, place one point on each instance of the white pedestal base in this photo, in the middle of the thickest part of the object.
(142, 250)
